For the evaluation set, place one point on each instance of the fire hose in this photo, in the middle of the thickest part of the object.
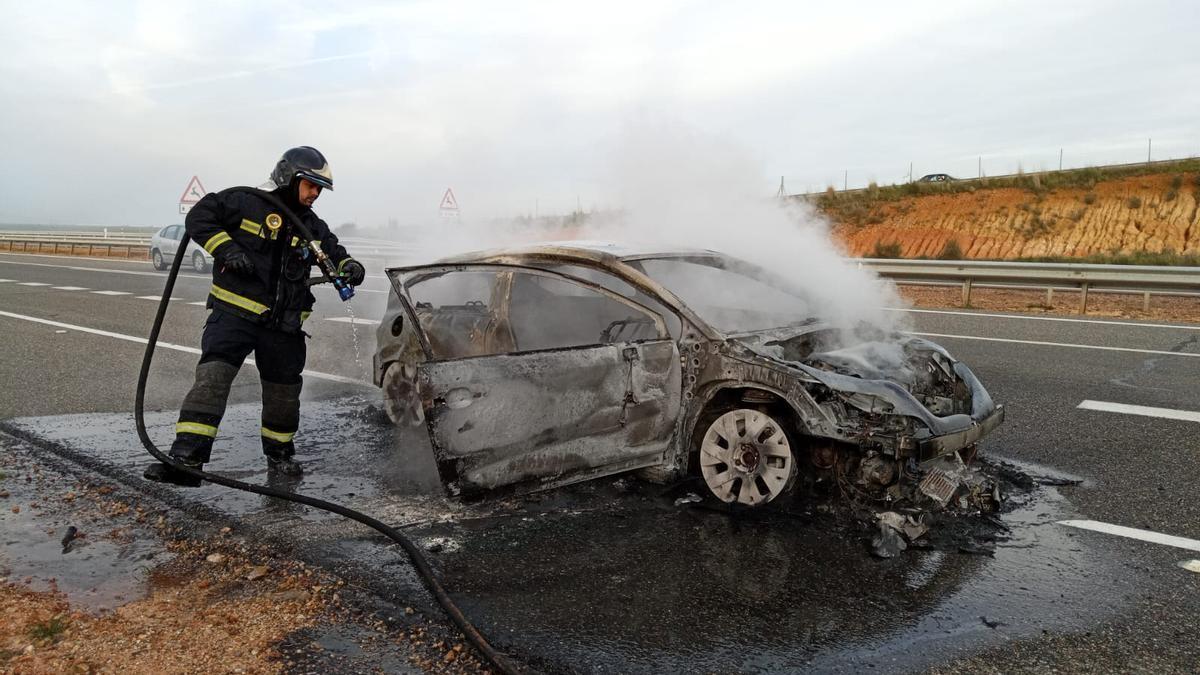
(497, 659)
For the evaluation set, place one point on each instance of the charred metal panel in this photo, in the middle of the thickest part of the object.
(551, 416)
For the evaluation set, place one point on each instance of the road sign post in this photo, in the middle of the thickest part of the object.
(449, 206)
(191, 194)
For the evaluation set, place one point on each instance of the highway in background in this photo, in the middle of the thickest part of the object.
(1113, 403)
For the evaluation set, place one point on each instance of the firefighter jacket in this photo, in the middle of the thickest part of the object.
(275, 294)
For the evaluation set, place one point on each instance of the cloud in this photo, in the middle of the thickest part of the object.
(512, 103)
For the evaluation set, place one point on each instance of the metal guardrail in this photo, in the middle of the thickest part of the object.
(91, 246)
(1146, 279)
(122, 237)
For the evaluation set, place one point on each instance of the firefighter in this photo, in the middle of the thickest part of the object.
(259, 301)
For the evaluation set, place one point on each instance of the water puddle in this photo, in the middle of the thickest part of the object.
(56, 539)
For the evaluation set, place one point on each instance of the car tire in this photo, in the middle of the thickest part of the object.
(156, 259)
(198, 262)
(746, 456)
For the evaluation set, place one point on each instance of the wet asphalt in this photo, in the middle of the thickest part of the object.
(612, 576)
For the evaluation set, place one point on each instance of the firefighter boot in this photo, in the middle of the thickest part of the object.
(199, 418)
(280, 419)
(165, 473)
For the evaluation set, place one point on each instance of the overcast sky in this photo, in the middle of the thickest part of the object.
(109, 108)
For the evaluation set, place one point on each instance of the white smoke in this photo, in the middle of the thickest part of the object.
(675, 188)
(683, 188)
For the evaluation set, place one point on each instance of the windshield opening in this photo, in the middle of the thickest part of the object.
(732, 295)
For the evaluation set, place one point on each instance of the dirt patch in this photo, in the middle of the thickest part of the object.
(1153, 213)
(94, 578)
(206, 612)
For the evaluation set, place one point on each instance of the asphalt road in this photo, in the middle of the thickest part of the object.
(607, 578)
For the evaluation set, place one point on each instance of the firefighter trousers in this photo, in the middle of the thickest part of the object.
(228, 339)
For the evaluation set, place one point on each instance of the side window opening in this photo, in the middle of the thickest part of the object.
(550, 313)
(457, 313)
(479, 312)
(621, 287)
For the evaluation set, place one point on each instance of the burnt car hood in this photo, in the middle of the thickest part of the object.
(892, 374)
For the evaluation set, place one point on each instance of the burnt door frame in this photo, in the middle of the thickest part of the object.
(635, 387)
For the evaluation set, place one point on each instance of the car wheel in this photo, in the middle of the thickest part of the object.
(198, 262)
(746, 457)
(156, 259)
(401, 396)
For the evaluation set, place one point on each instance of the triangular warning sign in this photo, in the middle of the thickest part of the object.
(193, 192)
(449, 203)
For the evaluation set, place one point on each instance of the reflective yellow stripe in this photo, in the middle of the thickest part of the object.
(304, 316)
(277, 436)
(252, 227)
(196, 428)
(295, 241)
(215, 241)
(344, 261)
(237, 300)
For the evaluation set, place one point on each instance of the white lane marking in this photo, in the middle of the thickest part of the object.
(156, 298)
(111, 293)
(166, 345)
(1041, 318)
(1190, 565)
(1134, 533)
(199, 304)
(1145, 411)
(1059, 344)
(346, 319)
(70, 288)
(161, 275)
(32, 283)
(5, 281)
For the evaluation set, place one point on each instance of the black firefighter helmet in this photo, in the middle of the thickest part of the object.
(302, 162)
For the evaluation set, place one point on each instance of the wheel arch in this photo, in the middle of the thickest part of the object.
(724, 395)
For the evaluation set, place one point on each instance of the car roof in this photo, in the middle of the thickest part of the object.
(584, 250)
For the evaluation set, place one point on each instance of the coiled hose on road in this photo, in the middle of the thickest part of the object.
(415, 554)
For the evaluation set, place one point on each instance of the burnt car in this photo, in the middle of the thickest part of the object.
(544, 365)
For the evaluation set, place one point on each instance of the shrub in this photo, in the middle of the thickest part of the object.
(1134, 203)
(951, 251)
(1089, 198)
(888, 250)
(1171, 195)
(48, 631)
(1176, 182)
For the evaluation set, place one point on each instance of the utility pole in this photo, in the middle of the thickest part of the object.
(1148, 142)
(910, 172)
(981, 166)
(1060, 159)
(782, 194)
(846, 181)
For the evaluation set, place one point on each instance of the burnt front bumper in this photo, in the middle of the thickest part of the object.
(945, 444)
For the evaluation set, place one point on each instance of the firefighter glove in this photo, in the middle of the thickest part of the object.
(354, 272)
(237, 260)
